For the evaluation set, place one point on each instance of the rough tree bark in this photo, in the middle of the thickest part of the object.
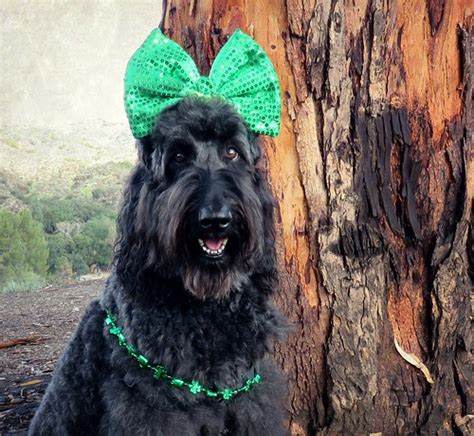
(373, 173)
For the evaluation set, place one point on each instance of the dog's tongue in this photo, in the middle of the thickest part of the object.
(213, 244)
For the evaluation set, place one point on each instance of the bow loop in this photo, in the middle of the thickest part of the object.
(161, 73)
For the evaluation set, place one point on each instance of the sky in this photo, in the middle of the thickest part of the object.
(62, 61)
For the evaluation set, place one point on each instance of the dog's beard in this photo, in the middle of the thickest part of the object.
(217, 278)
(204, 283)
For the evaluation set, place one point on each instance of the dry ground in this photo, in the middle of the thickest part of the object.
(51, 314)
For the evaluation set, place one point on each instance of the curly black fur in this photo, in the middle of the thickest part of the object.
(201, 317)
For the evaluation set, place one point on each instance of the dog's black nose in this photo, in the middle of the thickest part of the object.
(210, 219)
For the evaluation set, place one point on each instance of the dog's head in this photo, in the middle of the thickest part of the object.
(203, 210)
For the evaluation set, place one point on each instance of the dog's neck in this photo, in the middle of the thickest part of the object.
(216, 341)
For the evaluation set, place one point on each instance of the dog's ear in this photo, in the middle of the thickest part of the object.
(151, 156)
(145, 148)
(255, 150)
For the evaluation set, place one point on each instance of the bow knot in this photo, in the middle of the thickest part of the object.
(204, 86)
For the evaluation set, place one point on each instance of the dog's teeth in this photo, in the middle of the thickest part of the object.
(211, 252)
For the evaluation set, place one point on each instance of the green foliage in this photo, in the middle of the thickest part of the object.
(23, 249)
(92, 245)
(60, 236)
(52, 210)
(27, 282)
(61, 249)
(95, 242)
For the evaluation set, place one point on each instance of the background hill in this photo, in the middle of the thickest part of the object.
(59, 195)
(77, 160)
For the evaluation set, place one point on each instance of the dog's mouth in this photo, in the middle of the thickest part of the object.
(213, 247)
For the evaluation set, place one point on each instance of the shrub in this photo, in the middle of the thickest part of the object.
(61, 248)
(91, 246)
(23, 248)
(52, 210)
(79, 232)
(27, 282)
(95, 242)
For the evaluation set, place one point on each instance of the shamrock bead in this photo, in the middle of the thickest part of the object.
(195, 387)
(227, 394)
(115, 331)
(158, 372)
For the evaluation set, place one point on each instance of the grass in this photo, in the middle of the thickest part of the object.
(27, 284)
(10, 142)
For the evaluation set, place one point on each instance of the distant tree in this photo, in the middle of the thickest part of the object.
(95, 242)
(61, 249)
(52, 210)
(23, 248)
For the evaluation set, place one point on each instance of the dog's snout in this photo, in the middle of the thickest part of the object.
(211, 219)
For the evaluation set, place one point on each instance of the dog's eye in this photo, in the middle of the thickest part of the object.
(179, 157)
(231, 153)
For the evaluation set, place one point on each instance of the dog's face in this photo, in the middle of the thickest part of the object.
(205, 208)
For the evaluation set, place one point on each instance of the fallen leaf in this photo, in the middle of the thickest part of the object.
(414, 360)
(30, 383)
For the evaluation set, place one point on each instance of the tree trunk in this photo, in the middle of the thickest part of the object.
(373, 174)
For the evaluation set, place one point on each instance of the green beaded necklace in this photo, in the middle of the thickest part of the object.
(160, 373)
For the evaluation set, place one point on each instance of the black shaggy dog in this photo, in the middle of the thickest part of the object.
(193, 272)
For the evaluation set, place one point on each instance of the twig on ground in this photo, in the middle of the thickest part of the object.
(22, 341)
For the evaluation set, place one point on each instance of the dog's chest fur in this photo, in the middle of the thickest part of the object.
(218, 343)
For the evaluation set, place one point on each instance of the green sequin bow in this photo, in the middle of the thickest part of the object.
(160, 372)
(160, 73)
